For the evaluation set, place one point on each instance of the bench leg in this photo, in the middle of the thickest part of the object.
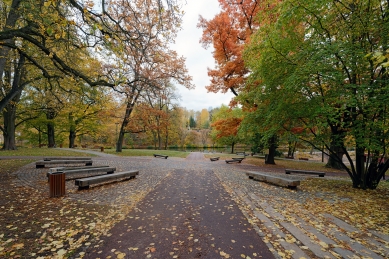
(83, 187)
(40, 166)
(89, 163)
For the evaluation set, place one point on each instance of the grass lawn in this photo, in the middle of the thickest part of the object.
(147, 152)
(41, 152)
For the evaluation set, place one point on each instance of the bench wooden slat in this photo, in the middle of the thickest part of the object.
(289, 171)
(66, 158)
(85, 182)
(57, 169)
(41, 163)
(273, 179)
(86, 170)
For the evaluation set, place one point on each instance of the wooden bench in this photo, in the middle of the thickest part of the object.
(66, 158)
(235, 160)
(284, 182)
(303, 158)
(82, 170)
(214, 158)
(84, 183)
(289, 171)
(42, 163)
(156, 155)
(242, 154)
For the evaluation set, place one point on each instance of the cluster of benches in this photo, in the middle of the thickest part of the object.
(85, 175)
(93, 174)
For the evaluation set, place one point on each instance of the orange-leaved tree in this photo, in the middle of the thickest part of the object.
(225, 125)
(228, 32)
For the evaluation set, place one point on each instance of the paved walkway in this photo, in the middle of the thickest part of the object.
(201, 209)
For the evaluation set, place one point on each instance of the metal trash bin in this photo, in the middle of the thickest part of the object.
(57, 184)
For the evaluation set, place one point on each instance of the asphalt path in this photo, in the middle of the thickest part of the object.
(188, 215)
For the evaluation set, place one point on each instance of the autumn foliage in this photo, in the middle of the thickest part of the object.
(227, 127)
(228, 32)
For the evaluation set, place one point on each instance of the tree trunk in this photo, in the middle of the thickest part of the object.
(72, 131)
(291, 148)
(119, 144)
(272, 150)
(72, 138)
(336, 156)
(50, 115)
(9, 114)
(232, 147)
(359, 178)
(166, 138)
(130, 107)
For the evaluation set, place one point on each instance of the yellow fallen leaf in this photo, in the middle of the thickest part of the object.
(323, 244)
(121, 255)
(18, 246)
(61, 252)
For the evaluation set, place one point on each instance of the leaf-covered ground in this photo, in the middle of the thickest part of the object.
(32, 225)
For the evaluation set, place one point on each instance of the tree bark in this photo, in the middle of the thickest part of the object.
(50, 115)
(337, 149)
(72, 131)
(272, 150)
(9, 116)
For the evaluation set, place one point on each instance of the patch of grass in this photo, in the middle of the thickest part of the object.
(12, 165)
(147, 152)
(41, 152)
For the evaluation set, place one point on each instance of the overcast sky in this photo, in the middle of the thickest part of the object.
(198, 58)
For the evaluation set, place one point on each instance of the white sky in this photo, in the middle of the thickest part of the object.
(198, 58)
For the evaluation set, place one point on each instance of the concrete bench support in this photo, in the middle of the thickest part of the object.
(289, 171)
(85, 182)
(284, 182)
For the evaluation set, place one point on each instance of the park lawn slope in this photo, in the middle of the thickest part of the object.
(42, 152)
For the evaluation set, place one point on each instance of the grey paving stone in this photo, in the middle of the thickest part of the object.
(313, 231)
(306, 240)
(380, 235)
(357, 247)
(298, 252)
(340, 223)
